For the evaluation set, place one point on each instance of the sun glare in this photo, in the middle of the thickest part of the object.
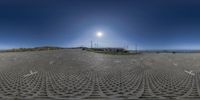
(99, 34)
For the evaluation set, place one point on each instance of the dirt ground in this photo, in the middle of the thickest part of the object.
(77, 74)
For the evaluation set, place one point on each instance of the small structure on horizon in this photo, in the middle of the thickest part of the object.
(113, 49)
(109, 49)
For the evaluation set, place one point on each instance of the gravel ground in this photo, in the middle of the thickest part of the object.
(76, 74)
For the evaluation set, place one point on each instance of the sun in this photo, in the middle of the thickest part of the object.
(99, 34)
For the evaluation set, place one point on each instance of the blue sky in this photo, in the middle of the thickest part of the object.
(152, 24)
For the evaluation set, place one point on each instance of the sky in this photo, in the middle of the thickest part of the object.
(149, 24)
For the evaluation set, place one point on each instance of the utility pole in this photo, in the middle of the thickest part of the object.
(136, 48)
(91, 44)
(97, 44)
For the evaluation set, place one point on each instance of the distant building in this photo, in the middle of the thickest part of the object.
(110, 49)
